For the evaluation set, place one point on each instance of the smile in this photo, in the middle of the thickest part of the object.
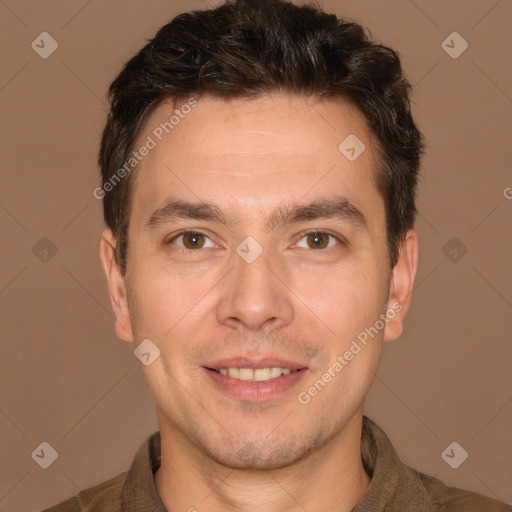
(255, 384)
(255, 375)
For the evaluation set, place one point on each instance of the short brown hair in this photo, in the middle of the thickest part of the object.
(247, 48)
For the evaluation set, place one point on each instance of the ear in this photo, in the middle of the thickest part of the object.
(401, 283)
(117, 286)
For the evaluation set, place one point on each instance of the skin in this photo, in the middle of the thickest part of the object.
(295, 301)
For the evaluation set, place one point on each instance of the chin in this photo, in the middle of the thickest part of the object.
(261, 455)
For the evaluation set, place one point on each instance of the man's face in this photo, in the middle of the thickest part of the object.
(210, 301)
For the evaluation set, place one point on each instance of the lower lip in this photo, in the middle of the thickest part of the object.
(255, 391)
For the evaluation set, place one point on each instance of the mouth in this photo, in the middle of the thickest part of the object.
(255, 380)
(255, 375)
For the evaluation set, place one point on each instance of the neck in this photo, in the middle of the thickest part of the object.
(332, 478)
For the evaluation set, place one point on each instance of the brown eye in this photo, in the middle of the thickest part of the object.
(318, 240)
(190, 240)
(193, 240)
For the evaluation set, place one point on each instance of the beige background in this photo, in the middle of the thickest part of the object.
(67, 380)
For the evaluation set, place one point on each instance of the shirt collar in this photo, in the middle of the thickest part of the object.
(394, 486)
(139, 488)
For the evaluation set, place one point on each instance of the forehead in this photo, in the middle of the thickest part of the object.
(256, 153)
(271, 124)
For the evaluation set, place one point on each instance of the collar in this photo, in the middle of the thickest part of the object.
(394, 486)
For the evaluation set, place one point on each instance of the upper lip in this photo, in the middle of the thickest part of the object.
(255, 363)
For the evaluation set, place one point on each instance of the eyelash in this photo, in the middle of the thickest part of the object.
(300, 237)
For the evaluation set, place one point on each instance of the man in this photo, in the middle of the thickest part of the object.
(259, 170)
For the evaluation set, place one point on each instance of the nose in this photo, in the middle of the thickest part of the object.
(255, 296)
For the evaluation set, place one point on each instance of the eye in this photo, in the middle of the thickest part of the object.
(190, 240)
(319, 240)
(194, 240)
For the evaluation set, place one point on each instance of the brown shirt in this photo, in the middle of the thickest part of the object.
(395, 487)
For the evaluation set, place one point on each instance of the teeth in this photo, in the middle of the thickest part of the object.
(245, 374)
(258, 375)
(261, 374)
(233, 372)
(276, 372)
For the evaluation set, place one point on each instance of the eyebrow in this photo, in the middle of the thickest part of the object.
(338, 207)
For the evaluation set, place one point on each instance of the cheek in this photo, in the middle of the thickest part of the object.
(173, 310)
(157, 303)
(346, 298)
